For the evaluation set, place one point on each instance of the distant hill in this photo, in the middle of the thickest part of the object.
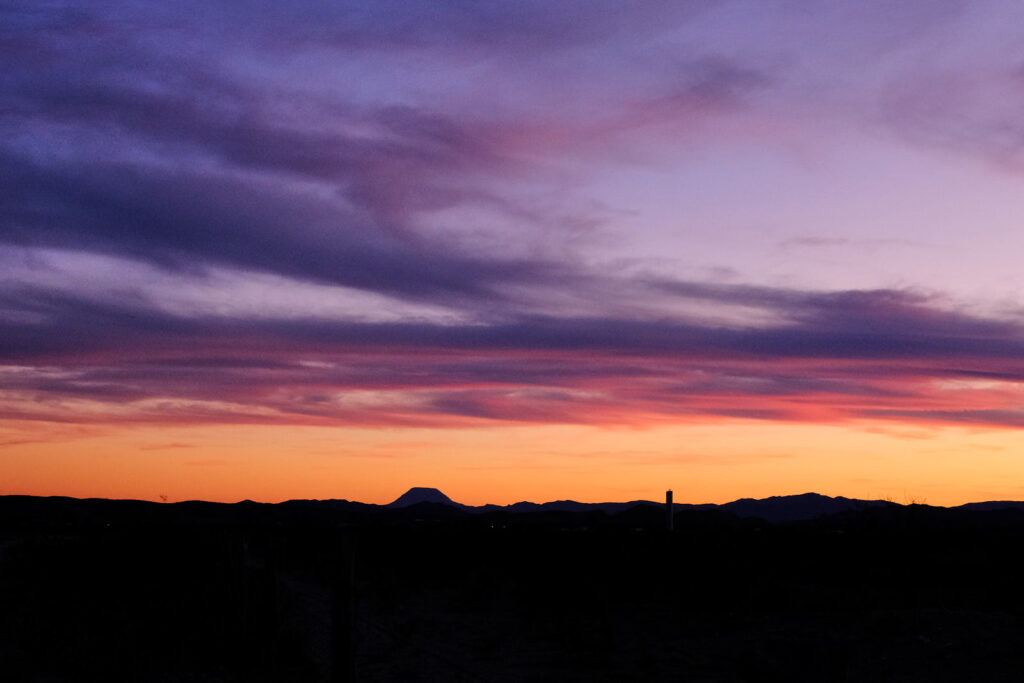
(992, 505)
(421, 494)
(797, 508)
(565, 506)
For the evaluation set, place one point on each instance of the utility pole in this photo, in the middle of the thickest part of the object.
(669, 521)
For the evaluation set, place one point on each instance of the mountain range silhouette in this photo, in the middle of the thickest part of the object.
(431, 503)
(790, 508)
(422, 494)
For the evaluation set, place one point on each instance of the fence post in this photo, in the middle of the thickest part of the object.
(343, 613)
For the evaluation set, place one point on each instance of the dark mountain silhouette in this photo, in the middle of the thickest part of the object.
(774, 509)
(564, 506)
(797, 508)
(421, 494)
(993, 505)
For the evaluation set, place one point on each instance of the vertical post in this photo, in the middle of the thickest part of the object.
(669, 517)
(274, 611)
(343, 612)
(238, 580)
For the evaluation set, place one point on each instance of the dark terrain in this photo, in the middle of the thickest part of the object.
(337, 591)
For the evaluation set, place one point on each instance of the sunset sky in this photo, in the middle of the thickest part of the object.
(512, 250)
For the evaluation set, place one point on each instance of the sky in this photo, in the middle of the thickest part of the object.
(516, 251)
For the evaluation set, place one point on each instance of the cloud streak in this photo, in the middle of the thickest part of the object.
(831, 356)
(451, 164)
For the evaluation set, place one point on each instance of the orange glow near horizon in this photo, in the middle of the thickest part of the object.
(714, 462)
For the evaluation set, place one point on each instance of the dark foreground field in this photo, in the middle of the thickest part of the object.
(128, 591)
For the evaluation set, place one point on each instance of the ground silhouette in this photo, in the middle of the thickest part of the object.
(340, 590)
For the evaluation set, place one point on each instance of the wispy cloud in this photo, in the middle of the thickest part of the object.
(165, 446)
(829, 356)
(371, 214)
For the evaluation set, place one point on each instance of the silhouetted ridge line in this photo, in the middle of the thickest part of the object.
(431, 502)
(993, 505)
(800, 507)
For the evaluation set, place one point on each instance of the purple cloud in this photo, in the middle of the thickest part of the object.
(434, 155)
(849, 353)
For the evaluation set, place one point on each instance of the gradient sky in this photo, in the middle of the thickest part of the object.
(523, 250)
